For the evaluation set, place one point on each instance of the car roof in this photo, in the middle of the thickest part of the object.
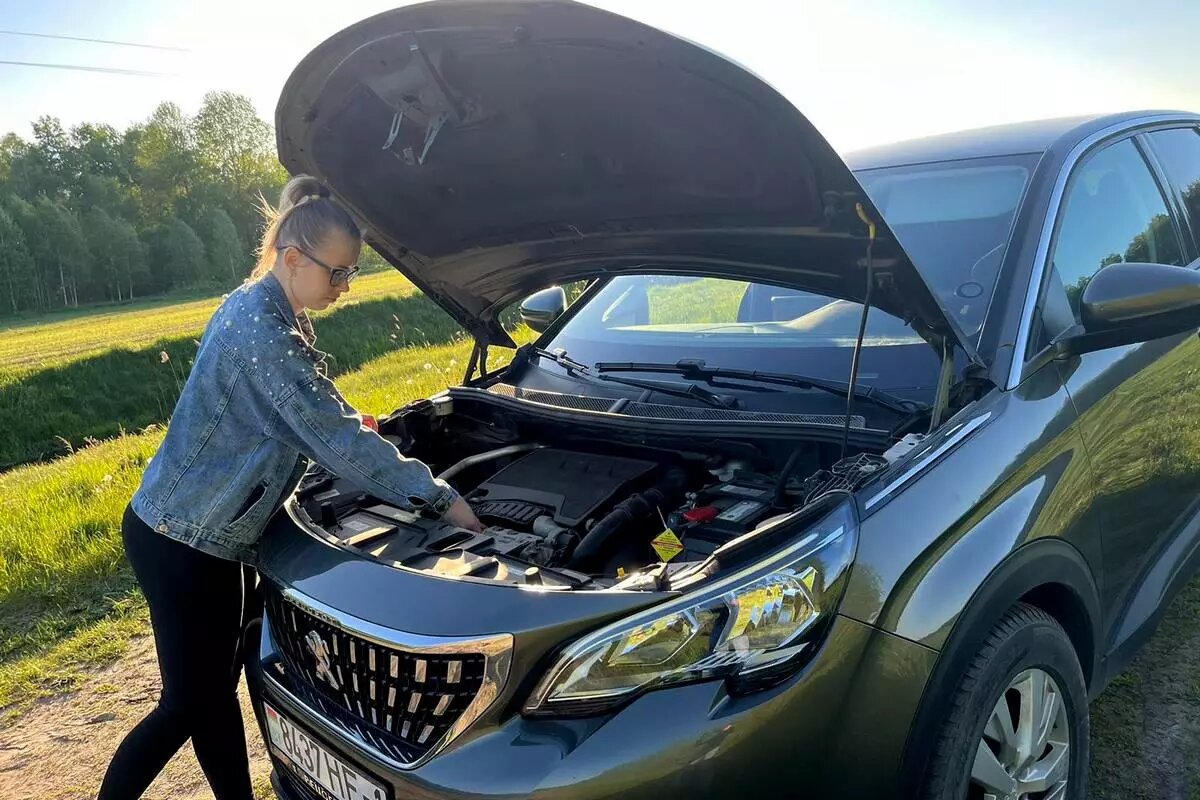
(1035, 136)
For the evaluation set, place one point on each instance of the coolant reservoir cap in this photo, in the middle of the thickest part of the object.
(701, 514)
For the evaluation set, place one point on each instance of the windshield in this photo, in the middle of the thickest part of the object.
(953, 219)
(735, 324)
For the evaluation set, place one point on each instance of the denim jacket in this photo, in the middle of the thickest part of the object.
(255, 407)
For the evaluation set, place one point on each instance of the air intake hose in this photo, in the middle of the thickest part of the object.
(589, 553)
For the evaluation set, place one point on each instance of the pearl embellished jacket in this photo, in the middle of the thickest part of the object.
(256, 407)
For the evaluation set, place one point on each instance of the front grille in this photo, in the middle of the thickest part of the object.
(399, 701)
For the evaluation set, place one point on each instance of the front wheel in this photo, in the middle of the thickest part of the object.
(1017, 727)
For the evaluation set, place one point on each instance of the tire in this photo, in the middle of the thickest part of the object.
(1025, 648)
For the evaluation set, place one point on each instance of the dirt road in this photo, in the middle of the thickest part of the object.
(60, 748)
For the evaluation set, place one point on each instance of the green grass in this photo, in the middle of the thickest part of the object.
(1146, 724)
(90, 383)
(56, 338)
(710, 300)
(63, 665)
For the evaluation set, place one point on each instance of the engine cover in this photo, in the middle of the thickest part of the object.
(570, 486)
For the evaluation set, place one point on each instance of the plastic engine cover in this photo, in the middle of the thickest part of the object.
(571, 486)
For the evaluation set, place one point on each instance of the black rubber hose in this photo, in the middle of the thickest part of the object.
(588, 553)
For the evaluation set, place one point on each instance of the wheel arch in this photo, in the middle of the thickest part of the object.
(1047, 573)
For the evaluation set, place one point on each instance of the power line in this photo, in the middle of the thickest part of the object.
(94, 41)
(85, 68)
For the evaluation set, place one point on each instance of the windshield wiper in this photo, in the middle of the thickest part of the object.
(694, 369)
(691, 391)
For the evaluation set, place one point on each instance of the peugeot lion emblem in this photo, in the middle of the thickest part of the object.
(320, 651)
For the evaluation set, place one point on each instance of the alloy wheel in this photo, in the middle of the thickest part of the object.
(1025, 750)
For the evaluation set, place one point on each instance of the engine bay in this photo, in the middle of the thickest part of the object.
(560, 513)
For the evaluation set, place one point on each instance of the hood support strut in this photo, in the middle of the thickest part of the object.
(941, 399)
(862, 325)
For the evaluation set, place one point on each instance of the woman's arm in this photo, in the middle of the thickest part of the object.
(314, 418)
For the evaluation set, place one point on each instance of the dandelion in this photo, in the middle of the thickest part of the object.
(428, 365)
(453, 361)
(163, 357)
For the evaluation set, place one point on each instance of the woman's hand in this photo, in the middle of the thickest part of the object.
(460, 514)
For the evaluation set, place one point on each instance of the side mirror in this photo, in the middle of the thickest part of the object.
(542, 308)
(1126, 303)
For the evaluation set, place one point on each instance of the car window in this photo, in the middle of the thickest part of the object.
(666, 308)
(954, 220)
(1179, 151)
(730, 323)
(1114, 212)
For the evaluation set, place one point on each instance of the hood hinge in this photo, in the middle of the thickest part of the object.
(479, 355)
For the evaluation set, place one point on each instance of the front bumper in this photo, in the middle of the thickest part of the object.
(837, 728)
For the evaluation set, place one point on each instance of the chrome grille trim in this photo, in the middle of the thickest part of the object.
(496, 651)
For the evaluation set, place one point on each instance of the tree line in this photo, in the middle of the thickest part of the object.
(95, 214)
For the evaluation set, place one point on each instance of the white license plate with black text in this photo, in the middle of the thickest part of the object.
(311, 760)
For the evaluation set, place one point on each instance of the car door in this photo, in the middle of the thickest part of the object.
(1136, 403)
(1177, 150)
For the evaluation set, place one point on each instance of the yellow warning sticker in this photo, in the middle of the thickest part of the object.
(667, 545)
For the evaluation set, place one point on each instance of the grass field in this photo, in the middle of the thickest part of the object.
(50, 340)
(81, 377)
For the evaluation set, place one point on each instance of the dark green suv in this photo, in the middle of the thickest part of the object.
(828, 481)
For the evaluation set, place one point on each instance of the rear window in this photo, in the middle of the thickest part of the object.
(954, 219)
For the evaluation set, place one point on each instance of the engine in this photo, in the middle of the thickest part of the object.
(562, 518)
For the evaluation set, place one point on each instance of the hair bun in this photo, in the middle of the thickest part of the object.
(301, 189)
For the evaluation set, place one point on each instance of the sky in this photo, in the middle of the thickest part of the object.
(864, 72)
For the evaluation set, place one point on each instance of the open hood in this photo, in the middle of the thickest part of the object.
(495, 147)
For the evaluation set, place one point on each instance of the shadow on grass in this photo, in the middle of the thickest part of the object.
(49, 411)
(35, 621)
(1146, 724)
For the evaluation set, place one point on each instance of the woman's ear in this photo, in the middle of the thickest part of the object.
(291, 258)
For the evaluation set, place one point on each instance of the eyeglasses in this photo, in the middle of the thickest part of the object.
(337, 275)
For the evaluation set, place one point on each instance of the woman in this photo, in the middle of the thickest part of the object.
(256, 407)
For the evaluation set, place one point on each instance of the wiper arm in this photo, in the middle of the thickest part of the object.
(688, 390)
(694, 368)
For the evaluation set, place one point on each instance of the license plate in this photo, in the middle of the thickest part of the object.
(317, 766)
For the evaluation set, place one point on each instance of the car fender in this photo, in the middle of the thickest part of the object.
(1046, 571)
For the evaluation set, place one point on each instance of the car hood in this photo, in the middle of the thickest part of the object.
(495, 148)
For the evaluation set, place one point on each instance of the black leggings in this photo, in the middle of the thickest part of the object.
(199, 605)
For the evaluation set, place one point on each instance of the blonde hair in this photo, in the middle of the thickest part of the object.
(305, 217)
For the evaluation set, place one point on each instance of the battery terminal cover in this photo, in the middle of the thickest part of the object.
(701, 514)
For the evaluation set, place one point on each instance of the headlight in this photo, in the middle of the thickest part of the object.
(753, 622)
